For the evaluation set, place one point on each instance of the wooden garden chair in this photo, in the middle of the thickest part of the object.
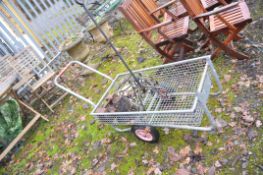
(167, 37)
(175, 8)
(209, 4)
(228, 20)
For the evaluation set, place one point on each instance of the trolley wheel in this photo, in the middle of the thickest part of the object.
(146, 133)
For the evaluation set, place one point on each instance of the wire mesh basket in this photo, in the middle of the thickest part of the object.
(172, 95)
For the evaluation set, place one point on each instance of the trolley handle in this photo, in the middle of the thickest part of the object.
(79, 2)
(71, 91)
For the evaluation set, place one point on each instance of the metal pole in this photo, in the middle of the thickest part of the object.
(110, 43)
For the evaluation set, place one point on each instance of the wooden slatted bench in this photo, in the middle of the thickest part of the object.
(228, 20)
(166, 37)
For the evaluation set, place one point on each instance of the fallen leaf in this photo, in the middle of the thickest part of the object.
(113, 166)
(218, 164)
(133, 144)
(157, 171)
(244, 82)
(211, 170)
(166, 130)
(145, 162)
(258, 123)
(39, 172)
(82, 118)
(150, 171)
(233, 115)
(201, 169)
(198, 149)
(106, 141)
(186, 161)
(248, 118)
(156, 150)
(227, 77)
(182, 171)
(220, 123)
(94, 162)
(131, 172)
(124, 152)
(185, 151)
(221, 148)
(218, 110)
(172, 155)
(232, 124)
(252, 133)
(238, 109)
(209, 143)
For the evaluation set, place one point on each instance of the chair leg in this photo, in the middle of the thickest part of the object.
(187, 47)
(181, 54)
(188, 43)
(168, 58)
(167, 48)
(226, 42)
(204, 45)
(226, 48)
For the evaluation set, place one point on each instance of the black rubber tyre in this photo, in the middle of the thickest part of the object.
(151, 134)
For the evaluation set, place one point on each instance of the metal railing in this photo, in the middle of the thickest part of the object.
(50, 22)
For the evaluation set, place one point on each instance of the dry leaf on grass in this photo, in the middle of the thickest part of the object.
(131, 172)
(106, 141)
(258, 123)
(211, 170)
(156, 150)
(157, 171)
(186, 161)
(172, 155)
(238, 109)
(218, 164)
(182, 171)
(113, 166)
(125, 151)
(185, 151)
(232, 124)
(201, 169)
(166, 130)
(82, 118)
(133, 144)
(248, 118)
(227, 77)
(150, 171)
(198, 149)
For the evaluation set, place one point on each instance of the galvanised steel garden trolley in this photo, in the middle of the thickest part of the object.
(173, 95)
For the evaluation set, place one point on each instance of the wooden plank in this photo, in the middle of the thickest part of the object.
(31, 109)
(19, 136)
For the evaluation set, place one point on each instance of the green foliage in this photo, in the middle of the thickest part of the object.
(10, 122)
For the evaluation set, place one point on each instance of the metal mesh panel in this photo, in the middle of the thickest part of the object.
(25, 61)
(159, 119)
(169, 95)
(5, 68)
